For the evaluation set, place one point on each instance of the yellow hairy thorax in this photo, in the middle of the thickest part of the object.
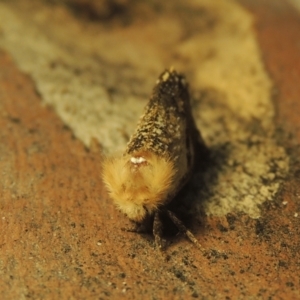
(138, 183)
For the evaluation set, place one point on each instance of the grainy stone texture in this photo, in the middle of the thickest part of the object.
(60, 235)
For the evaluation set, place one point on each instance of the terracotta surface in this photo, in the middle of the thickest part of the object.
(60, 235)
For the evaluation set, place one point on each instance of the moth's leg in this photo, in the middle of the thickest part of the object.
(183, 229)
(157, 230)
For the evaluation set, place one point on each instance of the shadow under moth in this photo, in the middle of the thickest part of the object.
(159, 158)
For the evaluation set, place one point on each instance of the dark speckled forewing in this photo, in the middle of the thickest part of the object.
(168, 121)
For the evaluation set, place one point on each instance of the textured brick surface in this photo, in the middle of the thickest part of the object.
(60, 236)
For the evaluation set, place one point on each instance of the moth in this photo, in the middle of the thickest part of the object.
(159, 158)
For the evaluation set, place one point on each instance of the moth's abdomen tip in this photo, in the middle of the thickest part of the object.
(171, 76)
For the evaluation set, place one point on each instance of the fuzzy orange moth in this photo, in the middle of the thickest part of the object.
(159, 158)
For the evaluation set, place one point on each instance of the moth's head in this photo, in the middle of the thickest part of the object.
(138, 183)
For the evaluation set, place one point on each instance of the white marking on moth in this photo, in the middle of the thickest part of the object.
(137, 160)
